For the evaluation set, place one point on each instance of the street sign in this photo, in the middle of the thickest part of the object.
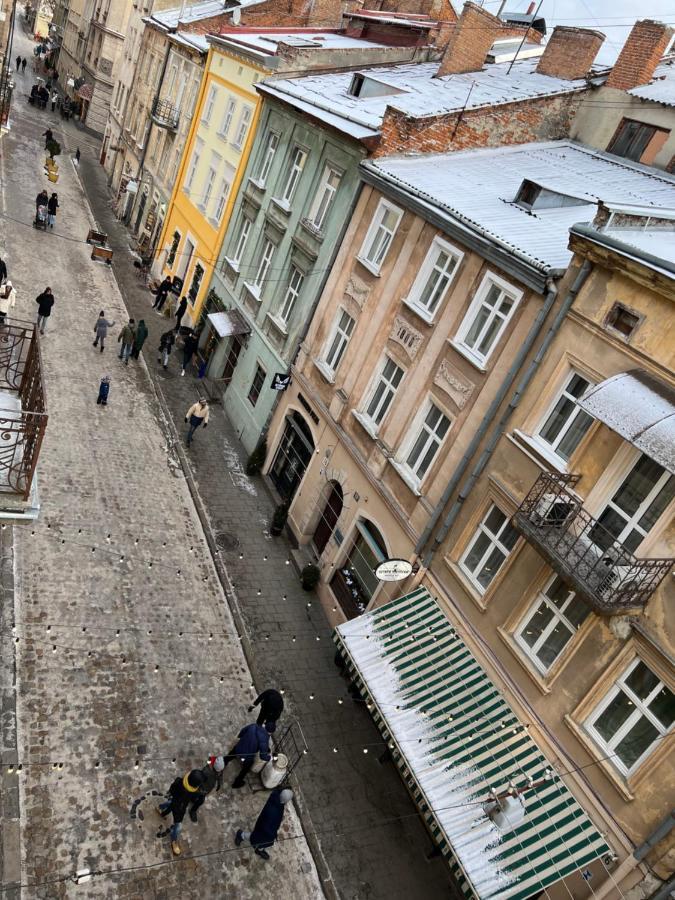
(280, 381)
(393, 570)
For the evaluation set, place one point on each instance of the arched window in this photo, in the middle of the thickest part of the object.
(354, 583)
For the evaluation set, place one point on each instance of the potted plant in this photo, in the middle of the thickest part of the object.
(310, 577)
(279, 518)
(53, 148)
(257, 459)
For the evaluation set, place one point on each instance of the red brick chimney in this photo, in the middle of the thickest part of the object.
(640, 56)
(570, 52)
(470, 41)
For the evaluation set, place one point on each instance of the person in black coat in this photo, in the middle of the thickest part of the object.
(267, 824)
(271, 706)
(190, 347)
(45, 301)
(252, 740)
(183, 792)
(3, 271)
(213, 778)
(180, 312)
(162, 294)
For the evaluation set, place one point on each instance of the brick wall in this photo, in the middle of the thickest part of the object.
(542, 119)
(298, 13)
(640, 55)
(570, 52)
(470, 41)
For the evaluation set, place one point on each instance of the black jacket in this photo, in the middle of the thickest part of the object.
(182, 306)
(3, 270)
(45, 303)
(52, 206)
(271, 704)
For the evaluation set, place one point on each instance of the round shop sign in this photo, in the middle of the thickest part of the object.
(393, 570)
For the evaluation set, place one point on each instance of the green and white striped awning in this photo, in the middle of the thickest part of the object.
(456, 741)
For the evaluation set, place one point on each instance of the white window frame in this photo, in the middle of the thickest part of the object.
(325, 196)
(243, 125)
(508, 291)
(295, 283)
(388, 394)
(438, 246)
(494, 543)
(209, 181)
(557, 617)
(640, 711)
(228, 117)
(210, 104)
(242, 240)
(383, 207)
(345, 337)
(266, 257)
(547, 446)
(271, 148)
(194, 164)
(297, 166)
(223, 194)
(418, 426)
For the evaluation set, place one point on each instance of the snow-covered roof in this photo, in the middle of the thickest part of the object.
(195, 12)
(266, 41)
(189, 39)
(661, 88)
(417, 92)
(478, 188)
(457, 742)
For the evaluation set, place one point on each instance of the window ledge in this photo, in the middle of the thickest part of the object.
(467, 354)
(259, 185)
(326, 373)
(215, 223)
(237, 147)
(280, 326)
(535, 450)
(368, 265)
(232, 264)
(523, 659)
(282, 205)
(475, 595)
(418, 310)
(365, 423)
(310, 228)
(614, 776)
(405, 476)
(253, 291)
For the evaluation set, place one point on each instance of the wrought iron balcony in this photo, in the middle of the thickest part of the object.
(23, 410)
(585, 555)
(165, 115)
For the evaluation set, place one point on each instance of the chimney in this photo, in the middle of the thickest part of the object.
(570, 52)
(640, 56)
(470, 41)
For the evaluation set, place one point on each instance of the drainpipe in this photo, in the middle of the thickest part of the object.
(533, 334)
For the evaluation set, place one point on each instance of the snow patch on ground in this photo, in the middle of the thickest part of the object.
(239, 477)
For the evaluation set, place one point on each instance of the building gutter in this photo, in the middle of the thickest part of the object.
(599, 237)
(488, 419)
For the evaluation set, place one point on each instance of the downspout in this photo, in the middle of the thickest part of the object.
(482, 430)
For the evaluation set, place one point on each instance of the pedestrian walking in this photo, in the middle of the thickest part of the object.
(48, 136)
(180, 312)
(189, 349)
(213, 778)
(23, 65)
(139, 338)
(271, 706)
(162, 294)
(252, 739)
(101, 329)
(127, 336)
(55, 98)
(7, 300)
(197, 415)
(77, 156)
(45, 301)
(103, 391)
(267, 824)
(181, 793)
(18, 63)
(42, 199)
(3, 271)
(52, 206)
(166, 343)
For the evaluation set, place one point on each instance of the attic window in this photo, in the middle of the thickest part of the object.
(621, 319)
(537, 196)
(365, 86)
(356, 86)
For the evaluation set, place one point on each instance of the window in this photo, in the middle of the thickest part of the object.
(433, 280)
(298, 161)
(489, 548)
(380, 235)
(223, 192)
(197, 276)
(487, 317)
(638, 141)
(382, 391)
(208, 188)
(621, 319)
(330, 182)
(338, 340)
(268, 157)
(292, 292)
(210, 103)
(175, 241)
(432, 430)
(256, 385)
(242, 127)
(226, 123)
(635, 714)
(566, 423)
(240, 246)
(354, 583)
(264, 264)
(196, 154)
(550, 623)
(636, 506)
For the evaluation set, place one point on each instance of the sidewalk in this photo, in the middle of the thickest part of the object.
(349, 798)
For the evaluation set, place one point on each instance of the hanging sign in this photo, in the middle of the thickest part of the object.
(393, 570)
(280, 381)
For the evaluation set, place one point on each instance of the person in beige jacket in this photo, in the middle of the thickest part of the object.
(197, 415)
(7, 300)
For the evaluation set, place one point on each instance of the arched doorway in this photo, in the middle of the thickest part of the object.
(293, 456)
(330, 513)
(354, 583)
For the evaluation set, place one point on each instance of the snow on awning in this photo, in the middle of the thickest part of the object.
(641, 409)
(456, 740)
(229, 323)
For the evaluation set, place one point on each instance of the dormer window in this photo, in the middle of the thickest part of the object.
(366, 86)
(532, 195)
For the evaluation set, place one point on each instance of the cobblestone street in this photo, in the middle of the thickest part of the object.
(132, 666)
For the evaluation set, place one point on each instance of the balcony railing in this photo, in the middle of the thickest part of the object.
(23, 409)
(165, 114)
(585, 555)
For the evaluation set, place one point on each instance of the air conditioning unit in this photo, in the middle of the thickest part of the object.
(616, 577)
(553, 511)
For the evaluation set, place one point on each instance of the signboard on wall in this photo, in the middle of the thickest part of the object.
(393, 570)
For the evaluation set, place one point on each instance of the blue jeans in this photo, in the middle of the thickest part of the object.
(194, 425)
(175, 830)
(125, 352)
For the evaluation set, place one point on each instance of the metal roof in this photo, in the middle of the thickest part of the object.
(661, 88)
(457, 742)
(478, 188)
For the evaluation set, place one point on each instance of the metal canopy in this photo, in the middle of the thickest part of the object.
(229, 323)
(640, 408)
(456, 741)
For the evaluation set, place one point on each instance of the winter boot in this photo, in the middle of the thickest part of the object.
(175, 848)
(263, 853)
(238, 838)
(193, 815)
